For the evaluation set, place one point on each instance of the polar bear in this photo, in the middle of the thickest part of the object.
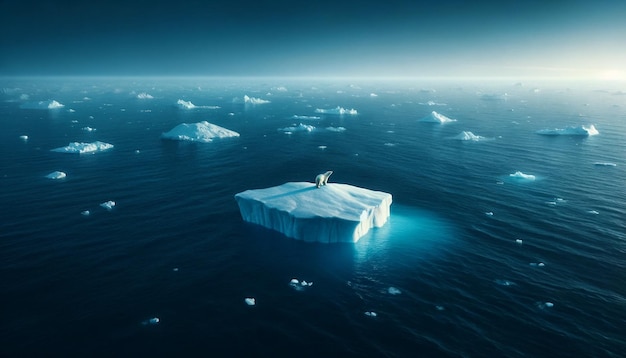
(322, 179)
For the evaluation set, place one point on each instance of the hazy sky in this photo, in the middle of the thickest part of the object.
(562, 38)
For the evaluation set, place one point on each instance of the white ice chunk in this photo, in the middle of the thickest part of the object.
(151, 321)
(489, 213)
(188, 105)
(85, 213)
(435, 117)
(468, 136)
(144, 95)
(393, 291)
(82, 148)
(108, 204)
(329, 214)
(50, 104)
(594, 212)
(88, 129)
(504, 282)
(203, 132)
(297, 117)
(519, 241)
(250, 301)
(185, 104)
(56, 175)
(253, 100)
(571, 131)
(522, 176)
(24, 138)
(336, 129)
(337, 110)
(298, 128)
(432, 103)
(371, 314)
(604, 164)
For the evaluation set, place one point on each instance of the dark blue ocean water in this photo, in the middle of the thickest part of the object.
(175, 246)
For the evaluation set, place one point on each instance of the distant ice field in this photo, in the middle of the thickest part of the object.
(504, 242)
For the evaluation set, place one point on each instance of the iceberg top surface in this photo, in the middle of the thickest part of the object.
(198, 132)
(304, 200)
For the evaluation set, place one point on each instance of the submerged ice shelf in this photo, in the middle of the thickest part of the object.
(333, 213)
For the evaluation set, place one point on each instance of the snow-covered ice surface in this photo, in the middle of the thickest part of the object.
(298, 128)
(203, 132)
(82, 148)
(571, 131)
(333, 213)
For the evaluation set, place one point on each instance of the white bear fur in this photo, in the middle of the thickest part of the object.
(322, 179)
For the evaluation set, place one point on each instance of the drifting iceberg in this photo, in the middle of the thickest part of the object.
(332, 213)
(188, 105)
(298, 117)
(203, 132)
(337, 110)
(336, 129)
(435, 117)
(299, 128)
(469, 136)
(573, 131)
(56, 175)
(51, 104)
(521, 176)
(108, 205)
(82, 148)
(144, 95)
(253, 100)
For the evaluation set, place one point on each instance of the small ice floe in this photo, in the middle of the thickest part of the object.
(298, 128)
(175, 269)
(544, 305)
(88, 129)
(322, 147)
(370, 313)
(338, 110)
(56, 175)
(144, 95)
(440, 308)
(435, 117)
(551, 203)
(537, 264)
(299, 117)
(519, 241)
(388, 144)
(504, 282)
(489, 213)
(336, 129)
(299, 285)
(393, 291)
(593, 212)
(253, 100)
(373, 94)
(522, 176)
(82, 148)
(604, 164)
(24, 138)
(152, 321)
(85, 213)
(250, 301)
(108, 204)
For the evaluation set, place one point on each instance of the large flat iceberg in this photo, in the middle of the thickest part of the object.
(82, 148)
(329, 214)
(573, 131)
(203, 132)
